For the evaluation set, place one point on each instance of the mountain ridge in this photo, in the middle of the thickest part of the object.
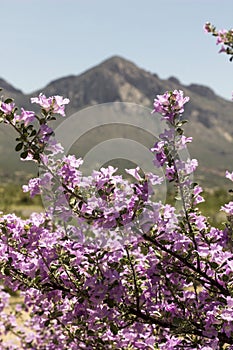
(112, 62)
(118, 79)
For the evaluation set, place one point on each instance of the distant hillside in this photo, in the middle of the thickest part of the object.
(116, 79)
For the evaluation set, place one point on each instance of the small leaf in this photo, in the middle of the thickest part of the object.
(113, 328)
(24, 154)
(36, 156)
(110, 302)
(56, 314)
(225, 278)
(90, 332)
(8, 100)
(180, 131)
(6, 271)
(47, 322)
(214, 265)
(19, 146)
(177, 321)
(33, 133)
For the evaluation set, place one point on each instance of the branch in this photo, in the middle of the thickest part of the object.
(213, 282)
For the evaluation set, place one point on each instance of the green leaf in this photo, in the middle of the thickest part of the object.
(56, 314)
(72, 201)
(36, 156)
(225, 278)
(33, 133)
(19, 146)
(8, 100)
(179, 131)
(177, 321)
(90, 332)
(47, 322)
(144, 250)
(113, 328)
(6, 271)
(24, 154)
(214, 265)
(110, 302)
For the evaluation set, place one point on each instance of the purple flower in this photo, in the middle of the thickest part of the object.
(72, 161)
(134, 173)
(7, 108)
(191, 166)
(43, 101)
(168, 135)
(228, 208)
(222, 36)
(182, 141)
(45, 132)
(55, 104)
(160, 159)
(207, 27)
(59, 105)
(54, 147)
(222, 49)
(154, 179)
(229, 175)
(187, 167)
(170, 104)
(196, 193)
(33, 186)
(25, 116)
(170, 172)
(160, 156)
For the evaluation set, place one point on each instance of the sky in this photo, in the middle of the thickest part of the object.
(42, 40)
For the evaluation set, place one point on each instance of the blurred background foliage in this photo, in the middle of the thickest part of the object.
(14, 200)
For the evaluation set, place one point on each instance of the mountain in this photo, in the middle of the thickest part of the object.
(117, 79)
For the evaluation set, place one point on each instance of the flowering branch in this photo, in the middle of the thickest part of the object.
(224, 37)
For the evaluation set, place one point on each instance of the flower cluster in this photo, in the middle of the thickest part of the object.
(171, 143)
(224, 37)
(54, 104)
(170, 105)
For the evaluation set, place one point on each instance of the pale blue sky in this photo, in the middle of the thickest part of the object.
(42, 40)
